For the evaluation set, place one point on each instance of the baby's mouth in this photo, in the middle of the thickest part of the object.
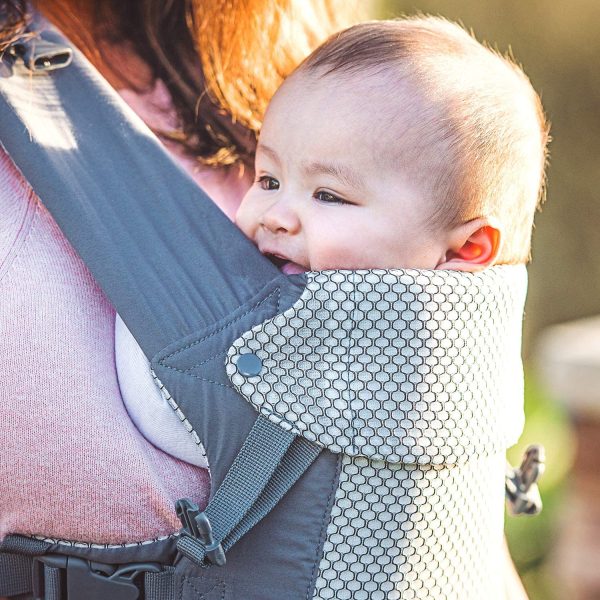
(284, 265)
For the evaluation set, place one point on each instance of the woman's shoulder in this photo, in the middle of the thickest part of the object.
(17, 205)
(30, 239)
(13, 186)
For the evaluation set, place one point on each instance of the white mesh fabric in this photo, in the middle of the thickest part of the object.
(405, 531)
(415, 377)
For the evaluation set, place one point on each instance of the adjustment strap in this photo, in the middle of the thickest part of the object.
(270, 461)
(52, 584)
(294, 464)
(249, 473)
(161, 586)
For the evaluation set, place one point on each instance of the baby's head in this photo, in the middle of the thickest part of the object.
(399, 144)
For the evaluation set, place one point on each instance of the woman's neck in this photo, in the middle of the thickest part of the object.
(116, 61)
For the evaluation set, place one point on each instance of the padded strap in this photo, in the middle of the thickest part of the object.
(269, 463)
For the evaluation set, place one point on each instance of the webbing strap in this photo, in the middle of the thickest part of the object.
(270, 461)
(52, 587)
(15, 574)
(160, 586)
(295, 462)
(248, 475)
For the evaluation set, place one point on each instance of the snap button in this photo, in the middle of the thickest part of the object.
(249, 365)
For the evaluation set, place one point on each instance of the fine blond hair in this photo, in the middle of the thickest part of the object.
(477, 135)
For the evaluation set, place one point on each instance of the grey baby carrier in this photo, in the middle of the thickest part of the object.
(355, 422)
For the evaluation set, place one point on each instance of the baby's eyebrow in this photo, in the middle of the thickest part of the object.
(269, 151)
(344, 174)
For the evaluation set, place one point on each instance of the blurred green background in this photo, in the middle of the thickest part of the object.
(558, 44)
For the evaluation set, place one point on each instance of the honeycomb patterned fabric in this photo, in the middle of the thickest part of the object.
(415, 378)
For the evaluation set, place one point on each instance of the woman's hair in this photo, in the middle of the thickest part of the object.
(221, 60)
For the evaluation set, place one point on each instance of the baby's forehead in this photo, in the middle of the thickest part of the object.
(378, 106)
(314, 120)
(381, 86)
(381, 127)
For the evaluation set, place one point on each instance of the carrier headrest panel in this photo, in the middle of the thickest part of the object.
(412, 366)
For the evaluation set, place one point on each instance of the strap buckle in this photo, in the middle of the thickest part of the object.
(521, 487)
(197, 525)
(37, 55)
(86, 580)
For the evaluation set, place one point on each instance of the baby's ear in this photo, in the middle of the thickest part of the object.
(472, 246)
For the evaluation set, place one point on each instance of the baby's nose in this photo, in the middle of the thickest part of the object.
(280, 218)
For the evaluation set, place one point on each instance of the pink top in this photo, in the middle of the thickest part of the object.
(74, 466)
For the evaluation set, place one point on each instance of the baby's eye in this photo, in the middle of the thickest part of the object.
(268, 183)
(329, 198)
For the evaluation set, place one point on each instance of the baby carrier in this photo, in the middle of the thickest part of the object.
(355, 422)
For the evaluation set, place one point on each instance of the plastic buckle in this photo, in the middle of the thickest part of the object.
(197, 525)
(37, 55)
(522, 491)
(87, 580)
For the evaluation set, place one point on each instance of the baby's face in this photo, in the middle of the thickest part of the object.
(323, 198)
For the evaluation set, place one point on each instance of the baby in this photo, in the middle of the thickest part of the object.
(398, 144)
(395, 144)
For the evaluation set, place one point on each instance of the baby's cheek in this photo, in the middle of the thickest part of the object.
(334, 251)
(246, 218)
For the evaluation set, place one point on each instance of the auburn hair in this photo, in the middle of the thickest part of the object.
(221, 60)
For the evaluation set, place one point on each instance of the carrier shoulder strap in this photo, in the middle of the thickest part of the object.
(143, 227)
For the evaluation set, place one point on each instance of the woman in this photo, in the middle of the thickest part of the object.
(147, 51)
(210, 68)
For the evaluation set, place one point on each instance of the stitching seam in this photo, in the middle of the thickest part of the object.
(77, 544)
(224, 353)
(196, 342)
(230, 387)
(202, 596)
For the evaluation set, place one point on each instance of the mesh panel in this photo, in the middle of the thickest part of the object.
(407, 532)
(415, 376)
